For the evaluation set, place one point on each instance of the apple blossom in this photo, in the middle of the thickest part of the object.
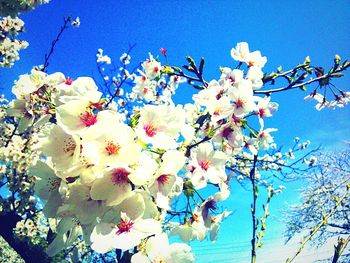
(206, 164)
(125, 234)
(160, 125)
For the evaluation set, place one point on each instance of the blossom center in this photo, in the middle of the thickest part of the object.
(88, 119)
(120, 176)
(163, 179)
(112, 148)
(239, 103)
(232, 79)
(216, 112)
(210, 206)
(262, 135)
(219, 95)
(262, 112)
(69, 146)
(227, 131)
(68, 81)
(150, 130)
(124, 226)
(204, 164)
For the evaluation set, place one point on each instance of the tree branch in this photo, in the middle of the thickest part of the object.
(54, 42)
(29, 252)
(253, 207)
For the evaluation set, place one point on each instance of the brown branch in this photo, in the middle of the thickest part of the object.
(29, 252)
(114, 95)
(300, 85)
(65, 25)
(339, 249)
(253, 207)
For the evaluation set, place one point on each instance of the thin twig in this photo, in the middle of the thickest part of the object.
(253, 207)
(65, 25)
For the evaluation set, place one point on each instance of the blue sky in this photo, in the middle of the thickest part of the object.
(284, 31)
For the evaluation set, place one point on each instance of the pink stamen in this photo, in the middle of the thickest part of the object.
(227, 131)
(261, 112)
(112, 148)
(150, 130)
(88, 119)
(68, 81)
(163, 51)
(232, 79)
(204, 164)
(163, 179)
(124, 226)
(120, 176)
(239, 103)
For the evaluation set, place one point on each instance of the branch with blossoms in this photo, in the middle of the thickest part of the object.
(67, 22)
(10, 26)
(110, 169)
(19, 214)
(14, 7)
(297, 79)
(115, 78)
(192, 69)
(9, 44)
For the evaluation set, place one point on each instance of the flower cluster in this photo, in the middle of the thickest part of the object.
(126, 175)
(9, 45)
(326, 88)
(153, 84)
(340, 100)
(16, 155)
(14, 7)
(102, 58)
(82, 158)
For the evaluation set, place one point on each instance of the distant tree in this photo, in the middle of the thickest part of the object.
(325, 208)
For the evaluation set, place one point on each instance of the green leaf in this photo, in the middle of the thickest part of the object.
(176, 69)
(210, 132)
(337, 75)
(134, 120)
(167, 70)
(190, 60)
(189, 68)
(188, 189)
